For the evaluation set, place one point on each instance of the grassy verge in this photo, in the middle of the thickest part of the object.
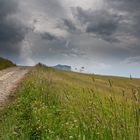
(4, 63)
(58, 105)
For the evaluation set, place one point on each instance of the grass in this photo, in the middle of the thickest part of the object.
(57, 105)
(4, 63)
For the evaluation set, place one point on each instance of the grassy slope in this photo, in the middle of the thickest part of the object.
(53, 104)
(4, 63)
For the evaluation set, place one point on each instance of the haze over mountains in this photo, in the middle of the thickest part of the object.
(63, 67)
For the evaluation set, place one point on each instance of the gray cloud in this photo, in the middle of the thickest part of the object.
(48, 36)
(7, 7)
(102, 28)
(132, 60)
(84, 35)
(125, 5)
(131, 14)
(101, 23)
(70, 26)
(49, 46)
(53, 8)
(12, 31)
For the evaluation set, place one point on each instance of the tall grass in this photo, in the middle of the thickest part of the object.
(58, 105)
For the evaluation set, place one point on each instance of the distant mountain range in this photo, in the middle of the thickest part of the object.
(63, 67)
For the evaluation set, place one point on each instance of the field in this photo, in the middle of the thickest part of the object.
(4, 63)
(57, 105)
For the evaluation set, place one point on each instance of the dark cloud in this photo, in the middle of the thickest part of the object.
(131, 15)
(48, 36)
(12, 31)
(125, 5)
(69, 25)
(104, 34)
(7, 7)
(102, 28)
(101, 23)
(9, 49)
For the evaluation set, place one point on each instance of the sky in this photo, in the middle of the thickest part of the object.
(101, 35)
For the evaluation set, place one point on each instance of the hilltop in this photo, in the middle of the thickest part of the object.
(5, 63)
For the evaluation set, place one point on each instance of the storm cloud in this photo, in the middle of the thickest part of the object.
(101, 22)
(103, 36)
(48, 36)
(12, 31)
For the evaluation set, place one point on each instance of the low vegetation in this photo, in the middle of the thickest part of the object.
(4, 63)
(57, 105)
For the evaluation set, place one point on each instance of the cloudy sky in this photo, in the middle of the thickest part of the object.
(101, 35)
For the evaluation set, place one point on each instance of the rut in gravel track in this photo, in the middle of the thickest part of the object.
(9, 79)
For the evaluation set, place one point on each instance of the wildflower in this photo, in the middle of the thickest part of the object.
(67, 123)
(71, 137)
(75, 121)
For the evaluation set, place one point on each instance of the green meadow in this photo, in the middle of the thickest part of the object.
(52, 104)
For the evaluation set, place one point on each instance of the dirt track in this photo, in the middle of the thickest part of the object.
(9, 79)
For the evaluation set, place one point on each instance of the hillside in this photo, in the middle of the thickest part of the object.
(4, 63)
(51, 104)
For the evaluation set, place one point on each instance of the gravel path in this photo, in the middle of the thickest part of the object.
(9, 79)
